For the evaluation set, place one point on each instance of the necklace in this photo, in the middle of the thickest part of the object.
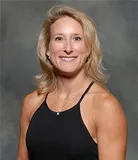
(66, 101)
(65, 106)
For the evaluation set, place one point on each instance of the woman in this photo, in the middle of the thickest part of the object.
(71, 115)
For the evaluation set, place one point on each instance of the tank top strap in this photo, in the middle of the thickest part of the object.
(46, 97)
(87, 89)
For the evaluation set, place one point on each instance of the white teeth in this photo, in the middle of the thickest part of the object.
(68, 59)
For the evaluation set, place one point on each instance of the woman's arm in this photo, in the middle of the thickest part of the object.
(111, 130)
(24, 122)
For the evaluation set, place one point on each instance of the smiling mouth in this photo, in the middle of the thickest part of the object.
(68, 59)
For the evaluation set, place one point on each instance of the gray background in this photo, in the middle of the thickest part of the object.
(117, 25)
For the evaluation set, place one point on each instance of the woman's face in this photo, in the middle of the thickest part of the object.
(67, 50)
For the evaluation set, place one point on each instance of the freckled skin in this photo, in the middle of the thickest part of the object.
(67, 48)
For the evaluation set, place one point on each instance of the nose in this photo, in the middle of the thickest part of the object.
(68, 47)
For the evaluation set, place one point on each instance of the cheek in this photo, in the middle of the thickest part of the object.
(55, 48)
(80, 48)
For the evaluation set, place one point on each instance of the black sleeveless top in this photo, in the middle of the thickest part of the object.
(60, 137)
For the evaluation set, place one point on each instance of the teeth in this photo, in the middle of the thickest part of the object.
(68, 58)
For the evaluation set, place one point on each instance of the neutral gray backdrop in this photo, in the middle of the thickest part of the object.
(117, 25)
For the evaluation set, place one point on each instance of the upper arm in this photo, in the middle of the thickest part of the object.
(24, 122)
(111, 130)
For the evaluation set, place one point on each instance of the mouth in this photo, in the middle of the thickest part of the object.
(68, 59)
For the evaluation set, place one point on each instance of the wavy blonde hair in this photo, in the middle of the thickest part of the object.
(47, 81)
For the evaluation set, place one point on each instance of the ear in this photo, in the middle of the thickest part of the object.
(48, 55)
(87, 56)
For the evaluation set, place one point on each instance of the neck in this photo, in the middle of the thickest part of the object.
(69, 86)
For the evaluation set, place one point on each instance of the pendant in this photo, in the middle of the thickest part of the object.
(57, 113)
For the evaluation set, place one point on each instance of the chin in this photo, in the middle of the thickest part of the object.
(68, 73)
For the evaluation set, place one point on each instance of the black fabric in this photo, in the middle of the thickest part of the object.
(60, 137)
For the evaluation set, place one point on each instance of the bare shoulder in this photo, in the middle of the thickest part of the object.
(31, 98)
(111, 124)
(31, 102)
(104, 99)
(108, 106)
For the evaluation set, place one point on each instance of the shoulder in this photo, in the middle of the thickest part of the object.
(31, 97)
(30, 102)
(103, 98)
(111, 125)
(108, 107)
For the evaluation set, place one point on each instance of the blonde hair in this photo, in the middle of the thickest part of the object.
(46, 81)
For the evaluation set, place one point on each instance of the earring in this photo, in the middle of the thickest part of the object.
(48, 55)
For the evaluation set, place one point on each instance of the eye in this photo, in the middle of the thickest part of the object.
(59, 38)
(77, 38)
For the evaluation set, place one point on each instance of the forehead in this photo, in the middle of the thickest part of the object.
(66, 24)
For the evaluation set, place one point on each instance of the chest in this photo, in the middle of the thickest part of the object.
(65, 134)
